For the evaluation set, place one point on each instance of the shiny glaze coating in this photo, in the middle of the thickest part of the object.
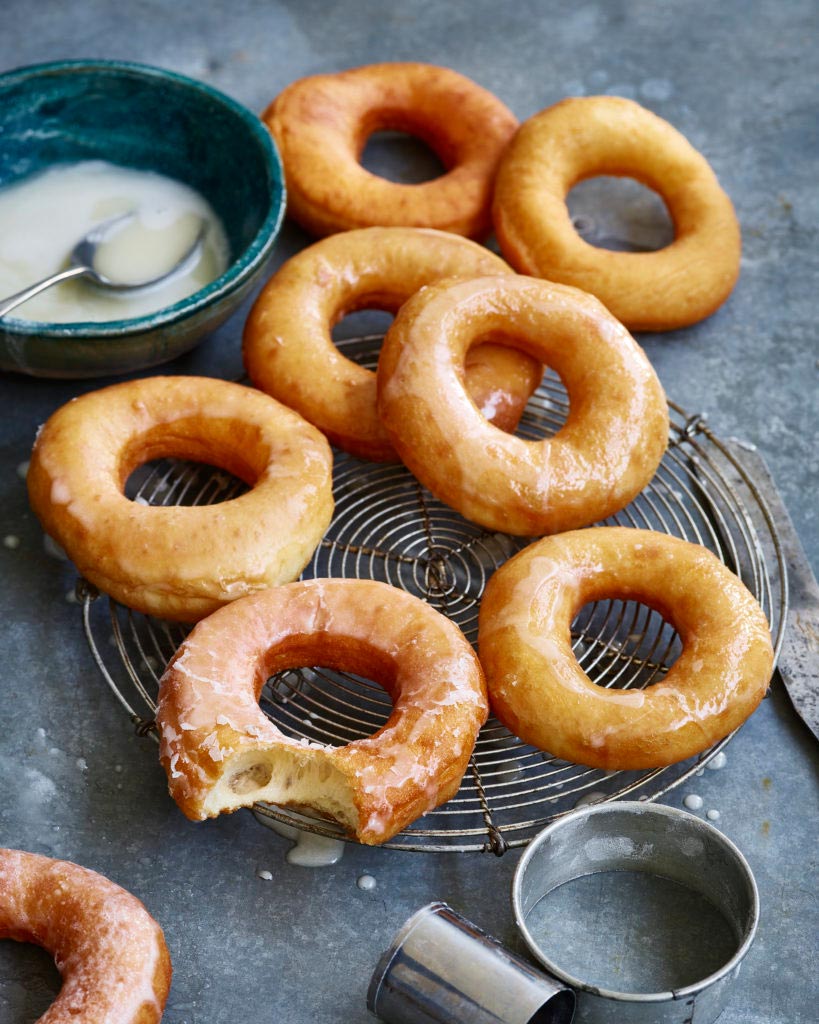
(605, 453)
(289, 350)
(321, 125)
(110, 952)
(214, 736)
(181, 562)
(538, 689)
(582, 138)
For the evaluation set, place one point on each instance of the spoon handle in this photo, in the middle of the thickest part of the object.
(10, 303)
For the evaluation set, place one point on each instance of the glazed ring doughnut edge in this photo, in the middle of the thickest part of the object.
(538, 689)
(584, 137)
(177, 561)
(111, 953)
(605, 453)
(289, 350)
(321, 124)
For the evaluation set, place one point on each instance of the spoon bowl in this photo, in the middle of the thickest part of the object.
(82, 262)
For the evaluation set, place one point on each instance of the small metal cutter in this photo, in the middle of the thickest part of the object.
(441, 969)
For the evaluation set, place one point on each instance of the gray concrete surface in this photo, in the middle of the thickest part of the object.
(741, 80)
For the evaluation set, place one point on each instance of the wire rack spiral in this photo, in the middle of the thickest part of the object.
(388, 527)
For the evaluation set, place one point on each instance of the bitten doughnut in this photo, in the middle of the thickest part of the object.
(110, 952)
(540, 692)
(289, 350)
(221, 752)
(321, 125)
(181, 562)
(605, 453)
(582, 138)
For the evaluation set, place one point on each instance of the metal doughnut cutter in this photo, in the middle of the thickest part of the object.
(440, 969)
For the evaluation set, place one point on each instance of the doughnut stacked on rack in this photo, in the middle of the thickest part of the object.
(464, 354)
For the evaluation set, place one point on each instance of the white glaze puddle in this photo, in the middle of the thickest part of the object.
(309, 850)
(717, 762)
(44, 216)
(693, 802)
(366, 883)
(591, 798)
(11, 542)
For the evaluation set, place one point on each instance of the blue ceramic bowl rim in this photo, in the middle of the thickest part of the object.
(238, 271)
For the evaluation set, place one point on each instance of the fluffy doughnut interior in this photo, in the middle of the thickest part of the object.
(281, 776)
(296, 773)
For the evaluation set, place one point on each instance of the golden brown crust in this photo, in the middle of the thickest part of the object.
(173, 561)
(538, 689)
(321, 125)
(110, 952)
(221, 752)
(583, 137)
(606, 452)
(290, 354)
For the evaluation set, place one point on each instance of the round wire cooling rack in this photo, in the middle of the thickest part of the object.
(388, 527)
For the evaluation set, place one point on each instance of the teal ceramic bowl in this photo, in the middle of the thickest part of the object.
(150, 119)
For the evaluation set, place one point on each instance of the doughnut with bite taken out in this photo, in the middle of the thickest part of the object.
(221, 752)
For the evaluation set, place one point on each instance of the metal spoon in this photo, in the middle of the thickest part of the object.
(83, 255)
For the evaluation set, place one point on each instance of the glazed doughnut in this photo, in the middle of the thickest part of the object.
(110, 952)
(582, 138)
(221, 752)
(321, 125)
(181, 562)
(540, 692)
(289, 351)
(605, 453)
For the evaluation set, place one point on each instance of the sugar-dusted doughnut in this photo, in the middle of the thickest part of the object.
(540, 692)
(584, 137)
(605, 453)
(321, 125)
(181, 562)
(289, 350)
(221, 752)
(110, 952)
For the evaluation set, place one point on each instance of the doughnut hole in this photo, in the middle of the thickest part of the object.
(620, 214)
(361, 323)
(624, 644)
(550, 415)
(182, 482)
(401, 157)
(30, 980)
(325, 706)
